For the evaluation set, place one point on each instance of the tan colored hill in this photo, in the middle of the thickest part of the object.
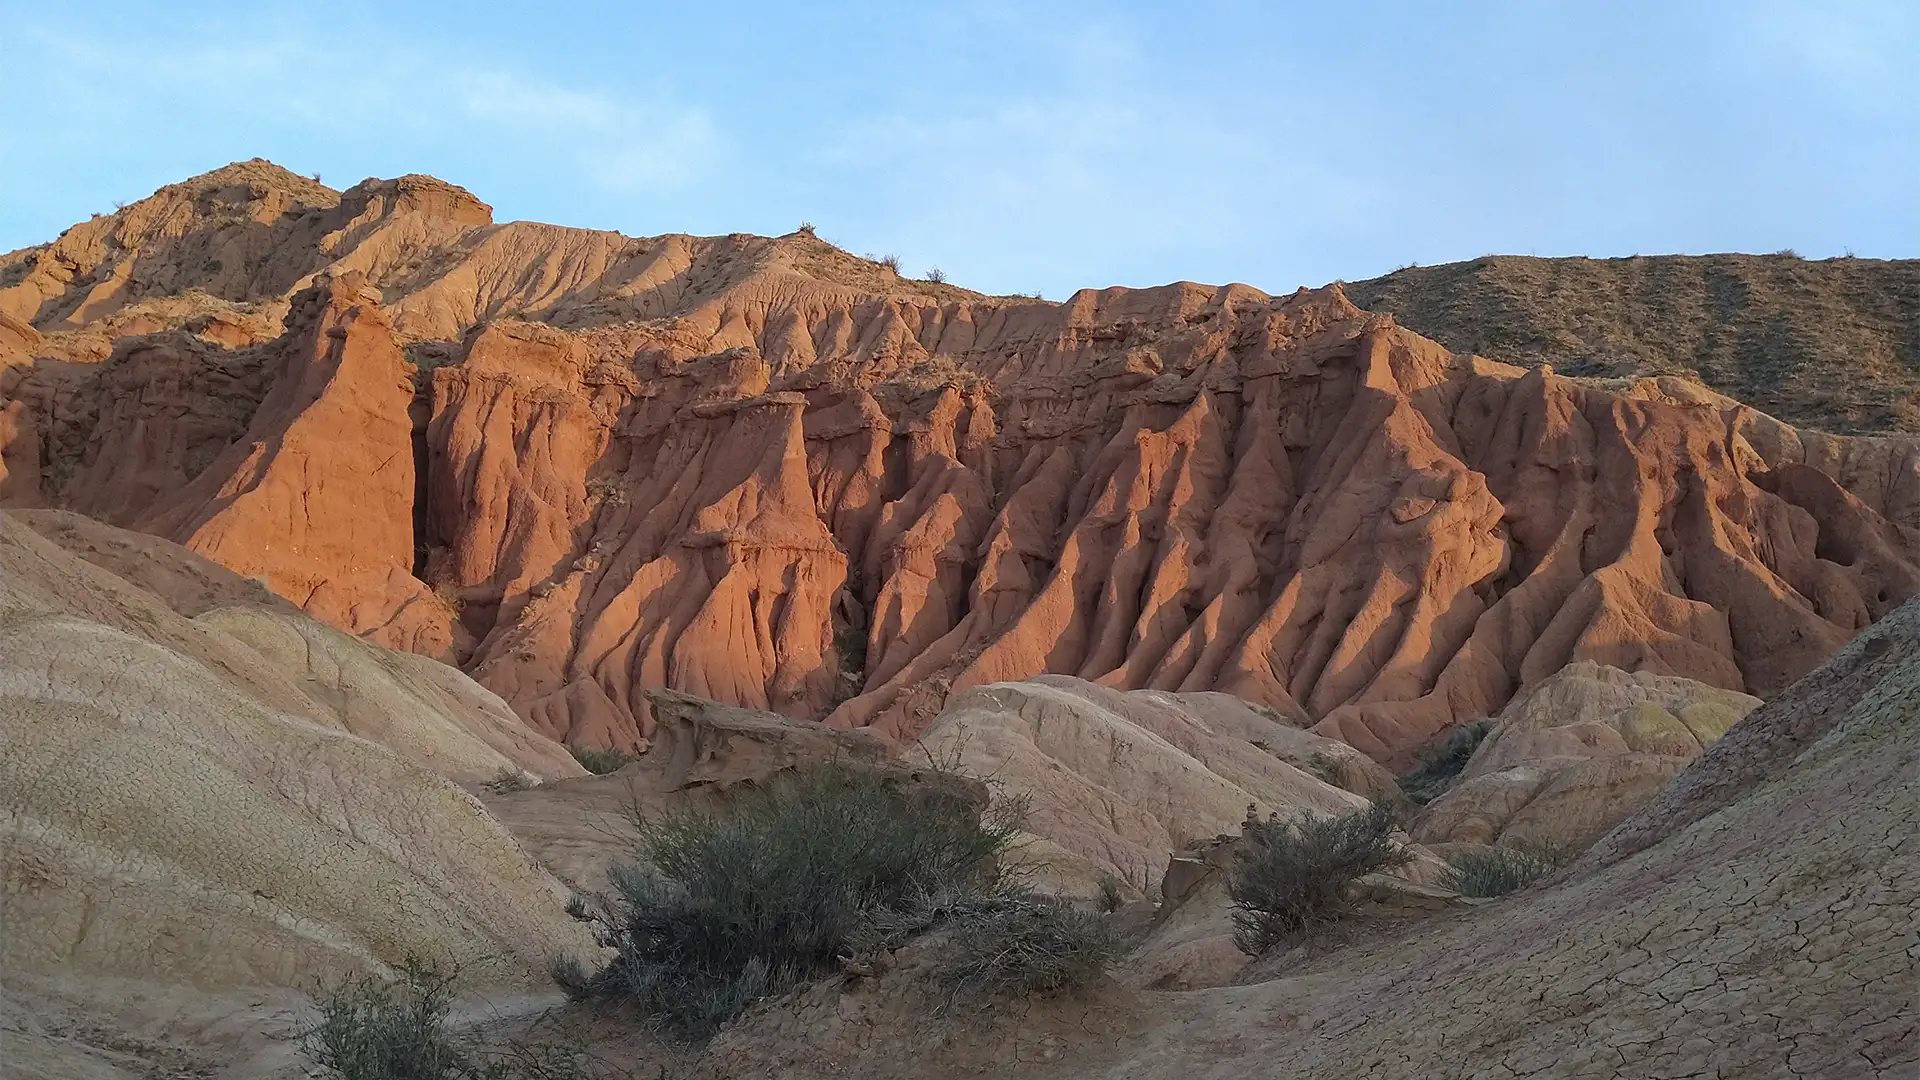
(242, 797)
(1574, 754)
(1116, 781)
(1832, 345)
(580, 465)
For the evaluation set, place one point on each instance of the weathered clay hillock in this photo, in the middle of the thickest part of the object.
(244, 797)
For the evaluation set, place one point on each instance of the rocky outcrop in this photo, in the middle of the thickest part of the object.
(1113, 781)
(316, 498)
(180, 805)
(1570, 758)
(764, 471)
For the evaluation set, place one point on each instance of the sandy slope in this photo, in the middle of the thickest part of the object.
(178, 806)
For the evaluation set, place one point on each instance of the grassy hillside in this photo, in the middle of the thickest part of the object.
(1833, 344)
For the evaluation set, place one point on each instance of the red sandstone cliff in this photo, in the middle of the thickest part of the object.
(765, 471)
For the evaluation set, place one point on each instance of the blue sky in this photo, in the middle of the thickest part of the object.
(1020, 146)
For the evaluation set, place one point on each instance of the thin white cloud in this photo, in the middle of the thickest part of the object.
(1107, 170)
(621, 143)
(1862, 49)
(612, 139)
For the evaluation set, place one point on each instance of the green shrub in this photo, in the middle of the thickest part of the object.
(1497, 871)
(597, 761)
(777, 886)
(1440, 772)
(1111, 898)
(1288, 876)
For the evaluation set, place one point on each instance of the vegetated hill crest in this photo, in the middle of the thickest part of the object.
(251, 234)
(1832, 344)
(767, 472)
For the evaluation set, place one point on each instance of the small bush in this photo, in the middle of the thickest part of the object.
(1111, 899)
(1440, 772)
(777, 887)
(452, 596)
(1498, 871)
(597, 761)
(396, 1029)
(1022, 944)
(805, 229)
(508, 779)
(1288, 876)
(851, 643)
(373, 1029)
(891, 262)
(936, 275)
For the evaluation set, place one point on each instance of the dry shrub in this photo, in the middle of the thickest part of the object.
(1437, 775)
(372, 1028)
(1498, 871)
(510, 778)
(788, 881)
(1288, 876)
(599, 761)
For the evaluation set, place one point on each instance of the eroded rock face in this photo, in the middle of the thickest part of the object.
(316, 498)
(1116, 781)
(769, 473)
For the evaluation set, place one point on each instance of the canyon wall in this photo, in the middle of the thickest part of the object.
(768, 472)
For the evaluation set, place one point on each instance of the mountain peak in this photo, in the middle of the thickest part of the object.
(261, 173)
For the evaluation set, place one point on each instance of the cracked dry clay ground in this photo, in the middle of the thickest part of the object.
(1760, 923)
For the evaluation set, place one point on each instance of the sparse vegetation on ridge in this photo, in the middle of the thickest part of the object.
(1823, 344)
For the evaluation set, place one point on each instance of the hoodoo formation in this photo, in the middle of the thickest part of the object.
(578, 464)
